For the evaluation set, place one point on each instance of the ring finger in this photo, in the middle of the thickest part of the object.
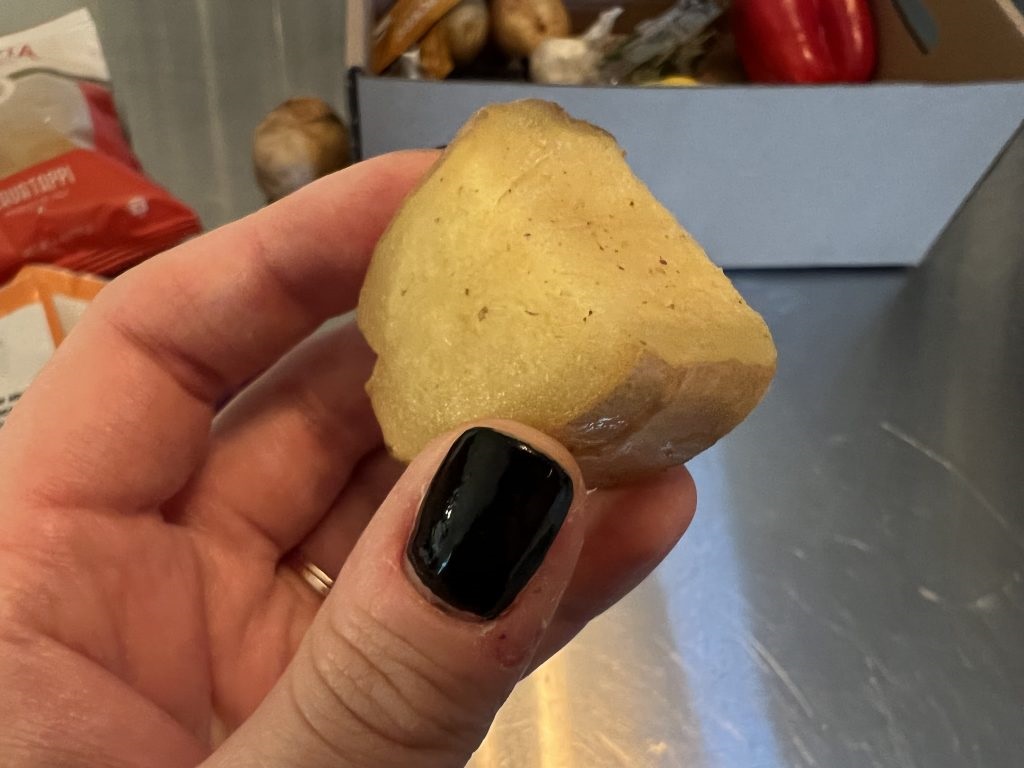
(330, 542)
(285, 448)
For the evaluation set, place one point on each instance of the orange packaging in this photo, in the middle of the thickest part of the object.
(38, 309)
(72, 192)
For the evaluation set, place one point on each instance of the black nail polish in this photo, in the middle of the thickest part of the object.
(487, 521)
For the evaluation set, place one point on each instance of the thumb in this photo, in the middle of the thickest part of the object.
(435, 616)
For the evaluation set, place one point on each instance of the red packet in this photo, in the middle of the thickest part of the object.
(72, 192)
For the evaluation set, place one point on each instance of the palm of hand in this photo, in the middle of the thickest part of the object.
(156, 619)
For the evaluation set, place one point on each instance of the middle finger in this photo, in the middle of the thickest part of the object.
(284, 449)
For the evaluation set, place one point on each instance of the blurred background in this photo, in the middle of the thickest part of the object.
(193, 79)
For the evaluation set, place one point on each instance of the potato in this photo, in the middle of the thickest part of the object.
(532, 276)
(299, 141)
(520, 25)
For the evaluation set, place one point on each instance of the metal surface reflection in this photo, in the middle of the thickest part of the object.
(851, 593)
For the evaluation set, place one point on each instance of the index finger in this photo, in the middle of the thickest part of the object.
(131, 393)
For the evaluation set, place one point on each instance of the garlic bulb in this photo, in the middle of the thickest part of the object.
(574, 60)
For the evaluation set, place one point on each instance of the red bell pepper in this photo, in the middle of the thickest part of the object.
(805, 41)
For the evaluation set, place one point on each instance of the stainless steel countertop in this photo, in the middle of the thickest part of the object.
(851, 593)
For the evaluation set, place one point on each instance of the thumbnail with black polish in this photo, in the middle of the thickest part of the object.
(488, 518)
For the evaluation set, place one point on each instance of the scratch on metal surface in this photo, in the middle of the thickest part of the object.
(964, 659)
(805, 753)
(794, 596)
(865, 747)
(986, 603)
(871, 662)
(1011, 593)
(657, 748)
(622, 756)
(875, 664)
(901, 749)
(990, 600)
(950, 728)
(852, 542)
(840, 630)
(953, 470)
(729, 727)
(780, 672)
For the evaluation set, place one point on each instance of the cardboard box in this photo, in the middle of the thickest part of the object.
(778, 176)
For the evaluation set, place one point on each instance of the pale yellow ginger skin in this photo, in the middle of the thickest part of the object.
(532, 276)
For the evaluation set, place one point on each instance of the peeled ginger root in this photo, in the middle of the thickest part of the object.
(533, 277)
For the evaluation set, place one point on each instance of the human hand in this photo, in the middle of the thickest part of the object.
(148, 612)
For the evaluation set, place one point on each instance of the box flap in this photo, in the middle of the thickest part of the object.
(762, 176)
